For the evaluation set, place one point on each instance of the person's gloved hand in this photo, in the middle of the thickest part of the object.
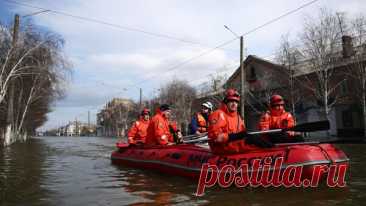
(280, 137)
(237, 136)
(179, 140)
(258, 141)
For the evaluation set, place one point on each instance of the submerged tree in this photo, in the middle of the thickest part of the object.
(33, 72)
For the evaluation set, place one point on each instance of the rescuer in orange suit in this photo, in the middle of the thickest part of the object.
(138, 132)
(226, 131)
(158, 132)
(277, 118)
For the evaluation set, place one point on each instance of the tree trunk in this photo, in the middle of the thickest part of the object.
(364, 104)
(8, 135)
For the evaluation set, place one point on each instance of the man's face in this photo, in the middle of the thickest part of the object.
(146, 117)
(232, 106)
(204, 110)
(167, 113)
(277, 107)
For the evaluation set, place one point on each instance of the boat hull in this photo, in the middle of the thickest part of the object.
(187, 160)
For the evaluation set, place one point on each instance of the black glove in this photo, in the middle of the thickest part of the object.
(285, 138)
(258, 141)
(281, 137)
(237, 136)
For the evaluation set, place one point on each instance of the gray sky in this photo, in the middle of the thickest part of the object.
(115, 62)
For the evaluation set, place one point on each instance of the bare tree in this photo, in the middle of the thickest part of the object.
(180, 95)
(117, 115)
(288, 56)
(213, 88)
(321, 38)
(37, 71)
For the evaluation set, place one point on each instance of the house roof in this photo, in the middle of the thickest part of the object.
(253, 58)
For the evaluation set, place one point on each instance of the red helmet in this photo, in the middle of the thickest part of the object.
(145, 111)
(277, 99)
(232, 94)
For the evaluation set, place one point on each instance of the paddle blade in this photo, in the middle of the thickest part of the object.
(311, 127)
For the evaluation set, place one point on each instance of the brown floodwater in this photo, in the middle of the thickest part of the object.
(78, 171)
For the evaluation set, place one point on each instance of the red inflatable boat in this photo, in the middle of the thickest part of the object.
(187, 159)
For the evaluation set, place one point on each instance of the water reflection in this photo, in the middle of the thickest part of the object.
(22, 173)
(160, 189)
(78, 171)
(152, 188)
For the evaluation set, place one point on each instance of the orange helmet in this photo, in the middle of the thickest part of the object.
(232, 95)
(145, 111)
(277, 99)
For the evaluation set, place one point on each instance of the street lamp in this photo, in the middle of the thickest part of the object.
(242, 72)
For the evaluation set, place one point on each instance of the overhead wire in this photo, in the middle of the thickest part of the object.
(231, 40)
(168, 36)
(102, 22)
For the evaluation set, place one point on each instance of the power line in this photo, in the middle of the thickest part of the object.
(97, 21)
(228, 42)
(167, 36)
(279, 17)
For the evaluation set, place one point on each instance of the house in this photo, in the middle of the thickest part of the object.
(264, 78)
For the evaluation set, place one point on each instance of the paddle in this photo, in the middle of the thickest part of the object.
(201, 139)
(306, 127)
(194, 136)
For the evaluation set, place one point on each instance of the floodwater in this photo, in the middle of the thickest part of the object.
(78, 171)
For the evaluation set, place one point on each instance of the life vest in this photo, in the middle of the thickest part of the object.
(280, 121)
(277, 120)
(222, 122)
(202, 123)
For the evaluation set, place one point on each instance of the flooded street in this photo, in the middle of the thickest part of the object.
(78, 171)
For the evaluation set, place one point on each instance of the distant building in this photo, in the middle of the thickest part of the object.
(115, 118)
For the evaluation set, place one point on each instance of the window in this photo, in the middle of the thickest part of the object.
(252, 75)
(347, 119)
(344, 87)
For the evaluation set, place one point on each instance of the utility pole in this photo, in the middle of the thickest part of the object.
(10, 115)
(76, 127)
(242, 72)
(242, 78)
(140, 99)
(88, 119)
(16, 29)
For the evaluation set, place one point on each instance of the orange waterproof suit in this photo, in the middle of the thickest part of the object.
(158, 131)
(138, 131)
(222, 122)
(276, 120)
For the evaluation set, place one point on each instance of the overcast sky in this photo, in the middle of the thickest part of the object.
(154, 36)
